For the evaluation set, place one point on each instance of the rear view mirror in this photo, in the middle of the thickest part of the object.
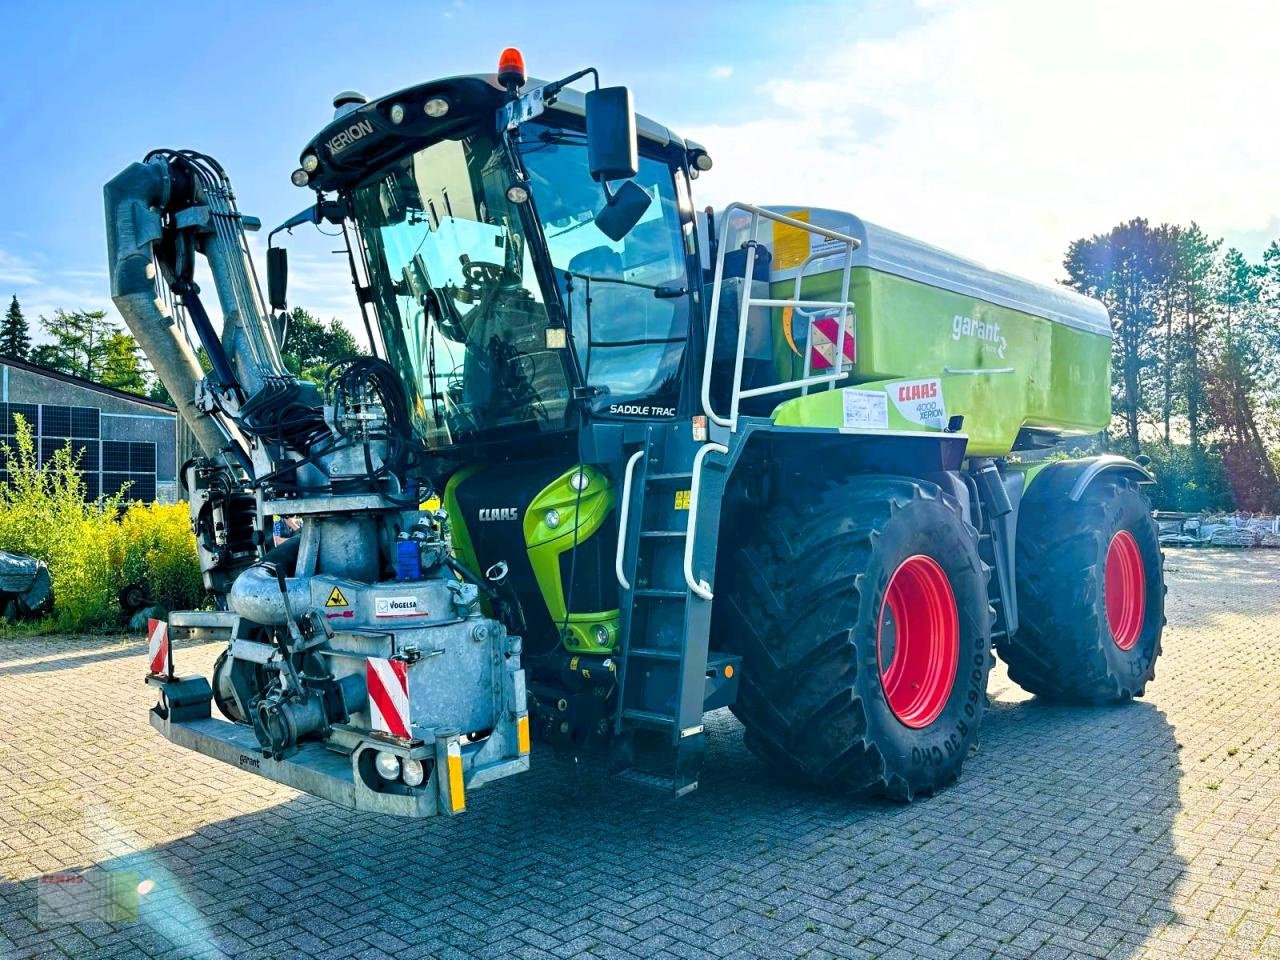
(277, 276)
(612, 151)
(623, 210)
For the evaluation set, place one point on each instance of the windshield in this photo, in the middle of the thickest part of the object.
(626, 300)
(461, 312)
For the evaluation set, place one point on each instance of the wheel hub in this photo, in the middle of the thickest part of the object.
(918, 641)
(1125, 590)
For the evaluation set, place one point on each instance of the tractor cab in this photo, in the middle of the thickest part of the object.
(529, 260)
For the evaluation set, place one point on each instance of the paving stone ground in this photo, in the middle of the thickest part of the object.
(1151, 830)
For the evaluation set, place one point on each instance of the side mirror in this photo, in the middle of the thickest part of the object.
(278, 276)
(623, 210)
(612, 150)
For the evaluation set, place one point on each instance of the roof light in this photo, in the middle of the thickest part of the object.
(300, 177)
(517, 194)
(310, 162)
(396, 113)
(702, 160)
(511, 68)
(436, 107)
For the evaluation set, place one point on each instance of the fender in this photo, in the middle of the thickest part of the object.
(1072, 478)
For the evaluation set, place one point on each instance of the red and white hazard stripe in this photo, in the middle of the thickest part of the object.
(158, 647)
(822, 343)
(388, 682)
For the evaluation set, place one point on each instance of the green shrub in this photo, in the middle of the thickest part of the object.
(43, 513)
(92, 548)
(160, 554)
(1188, 482)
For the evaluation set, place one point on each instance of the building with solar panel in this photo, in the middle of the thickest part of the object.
(125, 442)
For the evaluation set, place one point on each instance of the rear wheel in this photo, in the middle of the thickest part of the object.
(863, 622)
(1091, 590)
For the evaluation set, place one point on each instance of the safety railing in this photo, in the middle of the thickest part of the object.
(810, 311)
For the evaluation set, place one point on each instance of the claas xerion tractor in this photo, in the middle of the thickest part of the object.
(613, 462)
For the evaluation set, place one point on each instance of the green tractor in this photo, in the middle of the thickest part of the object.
(616, 462)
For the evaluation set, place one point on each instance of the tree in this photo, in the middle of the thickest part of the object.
(1194, 281)
(1122, 268)
(15, 333)
(123, 367)
(1237, 380)
(80, 342)
(310, 346)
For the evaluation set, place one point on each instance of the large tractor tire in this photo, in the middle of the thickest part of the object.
(864, 625)
(1090, 581)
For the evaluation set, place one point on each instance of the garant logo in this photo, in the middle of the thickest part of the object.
(928, 390)
(499, 513)
(962, 326)
(345, 138)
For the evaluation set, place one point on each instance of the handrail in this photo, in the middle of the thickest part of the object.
(623, 512)
(843, 305)
(699, 587)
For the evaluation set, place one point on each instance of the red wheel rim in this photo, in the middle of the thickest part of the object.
(1125, 590)
(918, 641)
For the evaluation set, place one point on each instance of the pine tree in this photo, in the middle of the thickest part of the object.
(123, 366)
(15, 334)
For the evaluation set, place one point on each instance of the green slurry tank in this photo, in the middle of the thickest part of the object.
(935, 336)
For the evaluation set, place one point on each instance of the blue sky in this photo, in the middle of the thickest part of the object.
(999, 128)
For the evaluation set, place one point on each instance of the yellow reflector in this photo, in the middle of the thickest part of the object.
(728, 670)
(457, 792)
(522, 734)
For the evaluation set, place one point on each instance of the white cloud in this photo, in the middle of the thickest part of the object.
(1004, 129)
(722, 72)
(15, 270)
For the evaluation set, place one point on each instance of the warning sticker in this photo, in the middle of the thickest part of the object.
(682, 499)
(336, 599)
(920, 401)
(866, 409)
(395, 607)
(791, 244)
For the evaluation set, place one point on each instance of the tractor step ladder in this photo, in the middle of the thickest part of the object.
(667, 675)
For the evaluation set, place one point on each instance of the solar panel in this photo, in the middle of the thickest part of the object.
(142, 457)
(55, 421)
(115, 455)
(85, 422)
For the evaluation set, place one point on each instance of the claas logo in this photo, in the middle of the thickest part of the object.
(918, 391)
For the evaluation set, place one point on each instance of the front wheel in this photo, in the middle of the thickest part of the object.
(864, 625)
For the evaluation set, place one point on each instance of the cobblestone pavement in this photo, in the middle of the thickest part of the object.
(1151, 830)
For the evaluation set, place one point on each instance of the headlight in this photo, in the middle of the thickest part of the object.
(579, 481)
(551, 518)
(387, 765)
(300, 177)
(517, 194)
(601, 633)
(413, 772)
(436, 107)
(396, 113)
(310, 162)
